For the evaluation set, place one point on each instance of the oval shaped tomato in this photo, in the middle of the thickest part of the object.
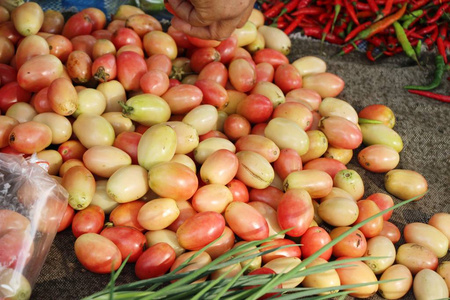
(129, 240)
(313, 240)
(91, 219)
(155, 261)
(295, 210)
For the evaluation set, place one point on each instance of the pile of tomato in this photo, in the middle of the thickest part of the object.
(165, 142)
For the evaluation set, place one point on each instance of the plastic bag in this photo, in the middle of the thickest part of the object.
(32, 204)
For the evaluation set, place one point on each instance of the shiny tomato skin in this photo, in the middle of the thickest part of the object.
(7, 74)
(97, 253)
(353, 245)
(292, 250)
(30, 137)
(66, 219)
(129, 240)
(295, 210)
(270, 195)
(288, 162)
(125, 36)
(239, 190)
(91, 219)
(128, 142)
(130, 68)
(227, 49)
(126, 214)
(256, 108)
(314, 239)
(200, 229)
(78, 24)
(11, 93)
(155, 261)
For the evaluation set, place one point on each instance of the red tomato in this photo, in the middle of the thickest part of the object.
(200, 230)
(71, 149)
(391, 231)
(368, 208)
(215, 71)
(125, 214)
(186, 211)
(98, 17)
(264, 72)
(313, 240)
(91, 219)
(201, 43)
(203, 56)
(78, 24)
(213, 93)
(129, 240)
(128, 142)
(39, 72)
(256, 108)
(236, 126)
(66, 219)
(104, 68)
(271, 56)
(16, 243)
(270, 195)
(328, 165)
(30, 137)
(292, 251)
(242, 75)
(159, 62)
(252, 227)
(340, 132)
(287, 78)
(97, 253)
(7, 74)
(8, 30)
(125, 36)
(383, 202)
(295, 210)
(179, 37)
(259, 129)
(353, 245)
(130, 68)
(154, 82)
(60, 46)
(182, 98)
(239, 190)
(40, 101)
(84, 43)
(155, 261)
(288, 162)
(227, 49)
(210, 134)
(79, 66)
(11, 93)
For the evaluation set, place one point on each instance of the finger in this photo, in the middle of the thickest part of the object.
(217, 31)
(188, 13)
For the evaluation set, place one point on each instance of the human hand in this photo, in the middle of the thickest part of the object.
(210, 19)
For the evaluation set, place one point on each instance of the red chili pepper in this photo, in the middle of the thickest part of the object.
(365, 14)
(309, 11)
(349, 47)
(391, 43)
(357, 30)
(440, 41)
(265, 6)
(369, 53)
(418, 4)
(303, 3)
(322, 18)
(326, 29)
(274, 10)
(312, 31)
(376, 41)
(382, 24)
(351, 11)
(414, 35)
(293, 25)
(439, 13)
(432, 39)
(362, 6)
(426, 30)
(428, 94)
(387, 8)
(373, 6)
(291, 5)
(289, 18)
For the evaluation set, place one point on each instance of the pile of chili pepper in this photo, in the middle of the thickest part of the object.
(385, 27)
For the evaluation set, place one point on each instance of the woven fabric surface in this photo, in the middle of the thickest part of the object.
(422, 123)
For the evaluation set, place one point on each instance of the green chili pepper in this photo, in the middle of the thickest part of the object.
(418, 48)
(404, 42)
(438, 74)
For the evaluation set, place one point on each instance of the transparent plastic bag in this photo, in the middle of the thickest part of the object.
(32, 204)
